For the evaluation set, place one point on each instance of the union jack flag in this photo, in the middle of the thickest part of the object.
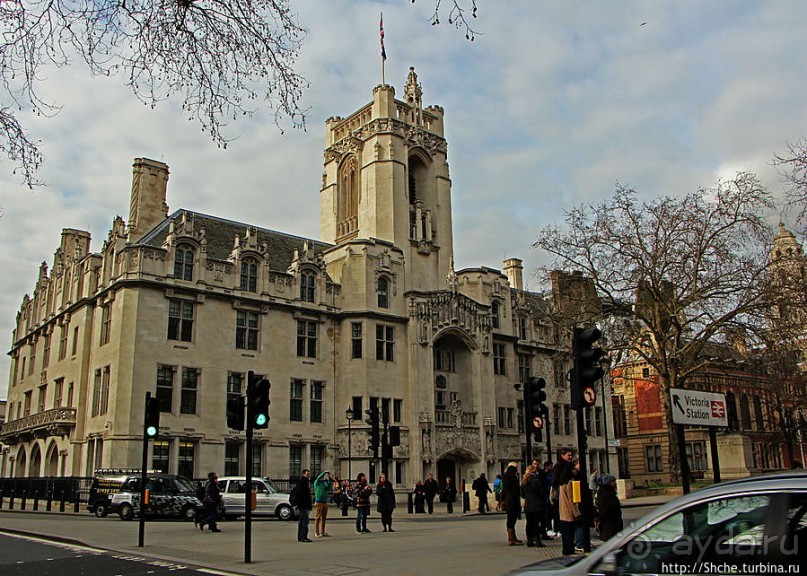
(383, 51)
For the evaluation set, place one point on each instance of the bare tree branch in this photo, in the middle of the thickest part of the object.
(793, 168)
(222, 58)
(458, 11)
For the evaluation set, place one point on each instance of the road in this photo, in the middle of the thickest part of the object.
(421, 545)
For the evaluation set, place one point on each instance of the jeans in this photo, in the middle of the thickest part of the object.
(578, 537)
(361, 518)
(302, 525)
(567, 535)
(209, 516)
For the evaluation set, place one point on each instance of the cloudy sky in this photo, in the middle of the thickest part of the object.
(556, 102)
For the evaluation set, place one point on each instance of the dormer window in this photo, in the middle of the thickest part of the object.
(183, 263)
(382, 289)
(249, 275)
(308, 282)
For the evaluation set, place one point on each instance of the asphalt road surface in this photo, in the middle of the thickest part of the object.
(24, 556)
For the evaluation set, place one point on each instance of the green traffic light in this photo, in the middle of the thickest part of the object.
(261, 419)
(151, 431)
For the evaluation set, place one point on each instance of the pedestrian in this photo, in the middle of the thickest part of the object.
(609, 510)
(362, 492)
(420, 495)
(386, 501)
(497, 490)
(511, 502)
(322, 484)
(303, 503)
(431, 487)
(347, 493)
(533, 489)
(211, 501)
(578, 530)
(568, 511)
(449, 494)
(336, 491)
(550, 510)
(481, 487)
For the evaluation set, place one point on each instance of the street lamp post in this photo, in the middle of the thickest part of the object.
(350, 416)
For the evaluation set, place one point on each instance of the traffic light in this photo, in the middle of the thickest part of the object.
(536, 406)
(258, 401)
(587, 370)
(152, 420)
(375, 430)
(394, 435)
(235, 412)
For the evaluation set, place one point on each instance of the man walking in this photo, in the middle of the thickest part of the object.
(303, 503)
(321, 486)
(212, 500)
(430, 486)
(481, 487)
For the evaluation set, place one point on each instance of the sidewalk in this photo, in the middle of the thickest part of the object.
(422, 545)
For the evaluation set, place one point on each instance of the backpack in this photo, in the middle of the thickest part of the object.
(294, 498)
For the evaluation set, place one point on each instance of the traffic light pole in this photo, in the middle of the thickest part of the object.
(248, 490)
(527, 427)
(141, 532)
(385, 447)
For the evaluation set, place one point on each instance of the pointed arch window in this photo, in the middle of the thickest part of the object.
(249, 275)
(308, 283)
(382, 289)
(183, 262)
(496, 318)
(347, 209)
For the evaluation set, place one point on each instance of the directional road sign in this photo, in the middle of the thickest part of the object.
(698, 408)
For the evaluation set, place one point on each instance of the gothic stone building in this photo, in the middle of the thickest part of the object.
(184, 304)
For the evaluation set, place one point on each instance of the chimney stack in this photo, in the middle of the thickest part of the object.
(147, 207)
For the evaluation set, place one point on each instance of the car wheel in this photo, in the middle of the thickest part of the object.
(126, 512)
(188, 513)
(101, 511)
(285, 512)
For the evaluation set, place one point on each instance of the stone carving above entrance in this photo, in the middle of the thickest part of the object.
(437, 310)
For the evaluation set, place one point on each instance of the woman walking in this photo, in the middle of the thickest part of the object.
(534, 490)
(386, 502)
(511, 501)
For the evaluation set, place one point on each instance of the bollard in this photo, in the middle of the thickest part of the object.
(76, 504)
(61, 502)
(410, 506)
(1, 498)
(466, 502)
(24, 498)
(11, 501)
(344, 505)
(36, 500)
(49, 501)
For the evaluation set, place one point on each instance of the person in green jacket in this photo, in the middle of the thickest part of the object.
(322, 486)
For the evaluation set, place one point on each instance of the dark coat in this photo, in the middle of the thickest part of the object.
(304, 494)
(420, 492)
(362, 494)
(386, 497)
(431, 488)
(481, 487)
(511, 491)
(534, 492)
(609, 512)
(450, 493)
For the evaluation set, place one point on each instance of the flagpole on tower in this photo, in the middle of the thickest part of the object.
(383, 51)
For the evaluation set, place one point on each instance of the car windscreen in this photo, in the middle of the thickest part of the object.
(185, 484)
(270, 486)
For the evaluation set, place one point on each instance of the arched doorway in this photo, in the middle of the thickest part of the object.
(52, 460)
(455, 464)
(20, 464)
(35, 468)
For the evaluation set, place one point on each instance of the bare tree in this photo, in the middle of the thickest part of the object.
(793, 167)
(458, 11)
(221, 57)
(681, 271)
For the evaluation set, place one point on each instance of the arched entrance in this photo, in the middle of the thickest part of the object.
(21, 463)
(52, 460)
(35, 468)
(455, 463)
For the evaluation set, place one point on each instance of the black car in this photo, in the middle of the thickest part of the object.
(169, 496)
(105, 484)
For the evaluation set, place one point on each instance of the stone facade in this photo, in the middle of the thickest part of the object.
(183, 305)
